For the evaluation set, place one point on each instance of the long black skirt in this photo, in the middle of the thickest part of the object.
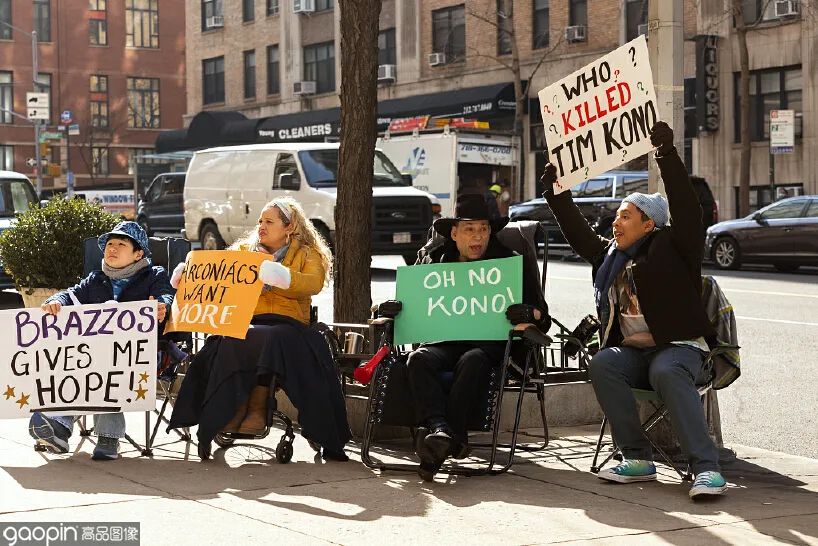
(224, 372)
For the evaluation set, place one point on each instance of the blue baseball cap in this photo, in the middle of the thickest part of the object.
(132, 231)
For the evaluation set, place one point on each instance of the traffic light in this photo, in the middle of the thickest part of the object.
(52, 169)
(45, 150)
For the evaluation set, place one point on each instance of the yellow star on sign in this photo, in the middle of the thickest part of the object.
(9, 392)
(140, 393)
(143, 377)
(23, 401)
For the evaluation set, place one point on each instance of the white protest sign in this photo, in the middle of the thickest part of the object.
(86, 359)
(599, 117)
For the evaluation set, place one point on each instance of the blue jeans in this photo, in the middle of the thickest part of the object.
(672, 371)
(109, 425)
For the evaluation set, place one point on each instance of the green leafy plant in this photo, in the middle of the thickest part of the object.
(44, 249)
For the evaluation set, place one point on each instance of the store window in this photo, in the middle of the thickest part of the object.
(770, 89)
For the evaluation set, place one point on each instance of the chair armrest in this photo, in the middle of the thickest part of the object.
(531, 334)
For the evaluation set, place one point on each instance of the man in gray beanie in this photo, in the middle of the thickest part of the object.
(654, 330)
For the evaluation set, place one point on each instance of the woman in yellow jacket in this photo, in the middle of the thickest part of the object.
(279, 343)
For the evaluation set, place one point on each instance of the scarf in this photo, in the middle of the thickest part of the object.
(613, 264)
(128, 271)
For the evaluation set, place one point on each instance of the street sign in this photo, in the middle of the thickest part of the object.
(66, 117)
(782, 131)
(45, 135)
(32, 162)
(73, 130)
(37, 106)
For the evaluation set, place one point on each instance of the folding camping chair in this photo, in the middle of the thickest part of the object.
(173, 349)
(390, 401)
(721, 366)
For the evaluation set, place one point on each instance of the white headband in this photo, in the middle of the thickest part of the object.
(284, 208)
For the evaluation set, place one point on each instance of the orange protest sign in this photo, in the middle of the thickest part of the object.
(218, 293)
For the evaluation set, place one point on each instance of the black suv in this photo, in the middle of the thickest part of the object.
(161, 209)
(599, 198)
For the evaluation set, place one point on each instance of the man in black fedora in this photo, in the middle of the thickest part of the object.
(469, 236)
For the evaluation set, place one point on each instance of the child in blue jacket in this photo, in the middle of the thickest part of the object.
(126, 275)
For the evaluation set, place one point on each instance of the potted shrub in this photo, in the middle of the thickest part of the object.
(43, 251)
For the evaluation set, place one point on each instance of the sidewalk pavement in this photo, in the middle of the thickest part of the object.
(242, 496)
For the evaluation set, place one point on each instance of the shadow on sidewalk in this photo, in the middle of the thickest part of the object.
(556, 479)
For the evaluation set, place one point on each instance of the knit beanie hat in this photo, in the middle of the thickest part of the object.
(654, 205)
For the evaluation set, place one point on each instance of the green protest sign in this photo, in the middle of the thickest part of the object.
(457, 301)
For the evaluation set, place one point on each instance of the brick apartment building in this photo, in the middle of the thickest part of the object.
(248, 60)
(117, 66)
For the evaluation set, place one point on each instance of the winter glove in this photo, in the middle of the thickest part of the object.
(178, 271)
(390, 308)
(275, 274)
(519, 313)
(548, 178)
(661, 137)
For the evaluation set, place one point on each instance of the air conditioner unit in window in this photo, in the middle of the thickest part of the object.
(387, 73)
(303, 88)
(303, 6)
(216, 21)
(786, 8)
(642, 29)
(575, 33)
(436, 59)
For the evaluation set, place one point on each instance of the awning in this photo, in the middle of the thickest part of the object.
(240, 131)
(171, 141)
(473, 102)
(205, 129)
(315, 125)
(208, 129)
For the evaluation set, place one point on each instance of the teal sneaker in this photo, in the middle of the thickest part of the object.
(630, 470)
(708, 483)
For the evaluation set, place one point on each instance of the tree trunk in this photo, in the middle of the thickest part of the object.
(744, 98)
(359, 99)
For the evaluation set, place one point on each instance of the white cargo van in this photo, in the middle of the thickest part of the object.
(17, 194)
(445, 162)
(227, 187)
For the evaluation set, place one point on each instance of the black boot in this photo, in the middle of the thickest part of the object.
(429, 464)
(440, 441)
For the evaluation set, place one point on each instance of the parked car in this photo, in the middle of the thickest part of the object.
(784, 234)
(16, 195)
(599, 198)
(161, 209)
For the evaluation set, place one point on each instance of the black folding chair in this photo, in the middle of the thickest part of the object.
(390, 402)
(174, 349)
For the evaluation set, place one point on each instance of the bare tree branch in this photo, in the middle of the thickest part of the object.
(540, 62)
(476, 53)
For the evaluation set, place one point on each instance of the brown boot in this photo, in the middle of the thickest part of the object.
(256, 419)
(235, 422)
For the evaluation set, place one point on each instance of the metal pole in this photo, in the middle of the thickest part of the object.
(772, 178)
(666, 47)
(35, 69)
